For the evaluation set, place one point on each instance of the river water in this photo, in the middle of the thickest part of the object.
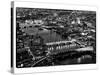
(86, 59)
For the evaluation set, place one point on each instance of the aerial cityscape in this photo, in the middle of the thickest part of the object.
(53, 37)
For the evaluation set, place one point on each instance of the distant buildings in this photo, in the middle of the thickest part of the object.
(31, 23)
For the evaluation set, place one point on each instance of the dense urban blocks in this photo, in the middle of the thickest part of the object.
(50, 37)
